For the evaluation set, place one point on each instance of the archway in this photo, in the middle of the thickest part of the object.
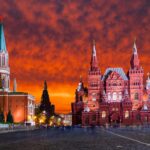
(114, 119)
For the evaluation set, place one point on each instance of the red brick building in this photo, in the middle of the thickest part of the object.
(20, 104)
(113, 97)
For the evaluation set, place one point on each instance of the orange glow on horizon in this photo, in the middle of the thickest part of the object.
(52, 41)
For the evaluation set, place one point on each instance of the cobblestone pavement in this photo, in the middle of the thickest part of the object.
(77, 139)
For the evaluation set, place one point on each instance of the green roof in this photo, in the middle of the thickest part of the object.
(2, 39)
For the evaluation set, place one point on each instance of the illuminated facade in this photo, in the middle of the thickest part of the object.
(20, 104)
(113, 97)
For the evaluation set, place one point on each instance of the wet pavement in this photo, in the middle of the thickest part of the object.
(77, 139)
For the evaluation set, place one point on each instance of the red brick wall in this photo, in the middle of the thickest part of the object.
(17, 104)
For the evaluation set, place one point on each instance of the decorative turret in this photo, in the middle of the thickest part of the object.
(80, 85)
(80, 91)
(136, 80)
(4, 67)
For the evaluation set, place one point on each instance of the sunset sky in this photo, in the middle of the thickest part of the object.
(51, 40)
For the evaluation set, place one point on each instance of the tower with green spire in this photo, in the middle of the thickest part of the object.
(4, 66)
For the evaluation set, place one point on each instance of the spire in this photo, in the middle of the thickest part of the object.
(80, 84)
(15, 86)
(134, 48)
(94, 49)
(94, 62)
(2, 37)
(45, 85)
(135, 63)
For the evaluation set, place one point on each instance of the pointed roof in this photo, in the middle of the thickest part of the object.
(94, 49)
(80, 85)
(117, 70)
(45, 85)
(135, 63)
(134, 48)
(2, 38)
(94, 62)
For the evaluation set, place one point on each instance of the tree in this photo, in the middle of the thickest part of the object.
(2, 117)
(9, 117)
(45, 105)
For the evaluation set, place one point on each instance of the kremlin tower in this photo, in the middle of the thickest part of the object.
(4, 66)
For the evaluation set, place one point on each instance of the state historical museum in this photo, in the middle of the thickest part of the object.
(113, 97)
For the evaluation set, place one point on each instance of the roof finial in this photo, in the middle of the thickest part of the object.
(134, 47)
(94, 48)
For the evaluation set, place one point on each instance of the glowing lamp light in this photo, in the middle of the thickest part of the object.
(35, 117)
(29, 117)
(50, 123)
(40, 121)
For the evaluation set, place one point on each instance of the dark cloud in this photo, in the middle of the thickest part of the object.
(51, 39)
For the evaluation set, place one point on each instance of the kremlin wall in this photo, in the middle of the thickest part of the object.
(20, 104)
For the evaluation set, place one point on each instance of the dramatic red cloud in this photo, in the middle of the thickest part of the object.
(51, 40)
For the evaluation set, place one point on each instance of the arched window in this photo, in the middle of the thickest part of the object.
(120, 96)
(136, 96)
(114, 84)
(126, 114)
(103, 114)
(114, 96)
(93, 96)
(109, 96)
